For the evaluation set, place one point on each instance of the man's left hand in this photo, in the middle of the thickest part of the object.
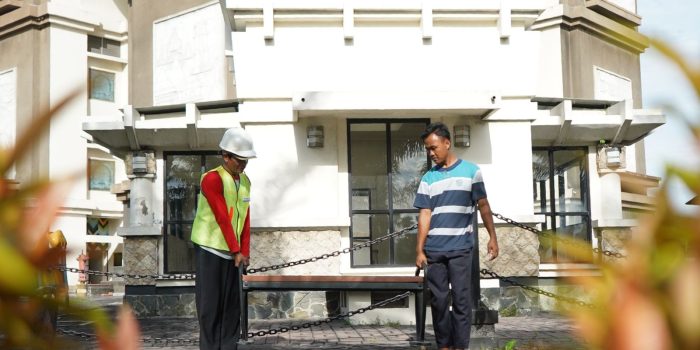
(492, 247)
(239, 259)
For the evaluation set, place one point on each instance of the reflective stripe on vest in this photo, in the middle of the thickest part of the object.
(205, 230)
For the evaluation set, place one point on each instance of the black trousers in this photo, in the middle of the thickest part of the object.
(218, 301)
(445, 269)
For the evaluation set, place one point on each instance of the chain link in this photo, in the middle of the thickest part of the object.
(317, 323)
(536, 290)
(557, 238)
(335, 253)
(186, 276)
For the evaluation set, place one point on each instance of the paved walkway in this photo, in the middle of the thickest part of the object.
(532, 332)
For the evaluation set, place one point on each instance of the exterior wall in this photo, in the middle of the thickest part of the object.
(582, 52)
(293, 185)
(27, 53)
(550, 80)
(68, 51)
(50, 59)
(613, 239)
(142, 14)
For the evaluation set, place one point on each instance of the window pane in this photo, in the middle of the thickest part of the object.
(94, 44)
(540, 178)
(211, 162)
(101, 174)
(378, 227)
(179, 249)
(405, 245)
(111, 47)
(408, 163)
(573, 226)
(546, 244)
(569, 170)
(182, 186)
(368, 157)
(361, 225)
(101, 85)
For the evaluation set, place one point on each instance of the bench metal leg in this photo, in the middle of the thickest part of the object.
(420, 316)
(244, 316)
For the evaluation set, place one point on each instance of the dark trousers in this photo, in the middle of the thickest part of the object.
(218, 301)
(445, 269)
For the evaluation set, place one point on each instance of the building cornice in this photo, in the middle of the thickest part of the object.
(579, 17)
(39, 16)
(500, 13)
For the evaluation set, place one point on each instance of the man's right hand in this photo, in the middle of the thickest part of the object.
(421, 260)
(239, 259)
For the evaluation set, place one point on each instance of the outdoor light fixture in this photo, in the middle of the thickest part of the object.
(314, 136)
(138, 164)
(461, 136)
(612, 157)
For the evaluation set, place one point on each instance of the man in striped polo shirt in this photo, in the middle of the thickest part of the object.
(447, 198)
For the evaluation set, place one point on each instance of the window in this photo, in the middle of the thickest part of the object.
(560, 186)
(102, 85)
(101, 174)
(97, 226)
(183, 171)
(118, 257)
(8, 113)
(387, 161)
(104, 46)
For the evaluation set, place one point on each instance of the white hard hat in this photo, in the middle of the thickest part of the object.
(238, 142)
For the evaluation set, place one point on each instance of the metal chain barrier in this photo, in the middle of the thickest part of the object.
(557, 238)
(328, 319)
(186, 276)
(536, 290)
(335, 253)
(189, 276)
(310, 324)
(261, 333)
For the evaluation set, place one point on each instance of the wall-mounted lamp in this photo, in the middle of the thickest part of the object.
(613, 157)
(461, 136)
(314, 136)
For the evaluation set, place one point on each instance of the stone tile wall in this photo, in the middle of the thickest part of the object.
(176, 305)
(141, 257)
(277, 247)
(518, 252)
(613, 239)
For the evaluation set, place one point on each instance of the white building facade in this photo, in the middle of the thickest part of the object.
(48, 50)
(544, 94)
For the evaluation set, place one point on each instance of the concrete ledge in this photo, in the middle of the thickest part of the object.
(155, 230)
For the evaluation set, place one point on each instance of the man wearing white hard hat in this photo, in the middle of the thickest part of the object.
(221, 234)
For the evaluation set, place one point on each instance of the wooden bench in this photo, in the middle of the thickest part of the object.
(413, 284)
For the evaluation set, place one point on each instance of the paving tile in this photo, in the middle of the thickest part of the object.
(531, 332)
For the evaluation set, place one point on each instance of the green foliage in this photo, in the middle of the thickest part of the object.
(650, 299)
(26, 214)
(508, 311)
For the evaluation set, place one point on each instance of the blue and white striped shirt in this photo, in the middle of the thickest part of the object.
(451, 194)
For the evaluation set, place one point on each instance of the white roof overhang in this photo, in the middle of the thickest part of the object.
(396, 103)
(192, 125)
(579, 122)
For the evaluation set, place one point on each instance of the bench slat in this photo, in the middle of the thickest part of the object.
(332, 279)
